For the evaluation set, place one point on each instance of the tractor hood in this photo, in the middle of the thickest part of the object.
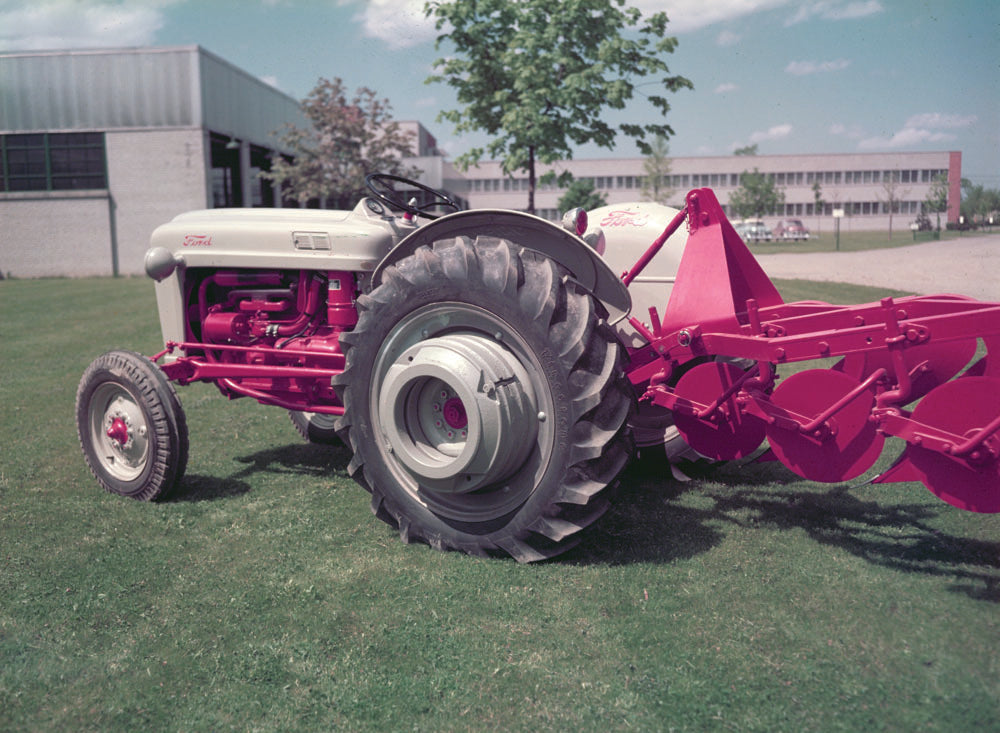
(278, 238)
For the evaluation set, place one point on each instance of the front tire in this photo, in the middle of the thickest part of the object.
(131, 426)
(485, 401)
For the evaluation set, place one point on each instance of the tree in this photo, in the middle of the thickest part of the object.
(937, 198)
(978, 202)
(756, 196)
(818, 204)
(746, 150)
(348, 140)
(657, 168)
(891, 195)
(581, 193)
(537, 75)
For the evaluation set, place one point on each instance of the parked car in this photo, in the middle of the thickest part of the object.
(753, 230)
(791, 229)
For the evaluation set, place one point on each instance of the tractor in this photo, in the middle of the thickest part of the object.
(491, 377)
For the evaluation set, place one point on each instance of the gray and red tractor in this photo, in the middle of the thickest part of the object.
(491, 377)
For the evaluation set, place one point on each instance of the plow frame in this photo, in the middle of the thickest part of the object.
(892, 352)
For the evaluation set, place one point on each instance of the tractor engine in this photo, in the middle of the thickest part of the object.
(271, 318)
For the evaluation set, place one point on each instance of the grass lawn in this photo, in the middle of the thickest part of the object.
(265, 596)
(825, 241)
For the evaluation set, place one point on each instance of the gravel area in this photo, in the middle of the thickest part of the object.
(964, 266)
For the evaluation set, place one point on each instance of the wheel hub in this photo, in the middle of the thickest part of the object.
(458, 412)
(121, 429)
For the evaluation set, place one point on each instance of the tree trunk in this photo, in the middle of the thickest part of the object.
(531, 179)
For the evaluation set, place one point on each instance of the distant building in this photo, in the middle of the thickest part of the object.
(98, 147)
(856, 183)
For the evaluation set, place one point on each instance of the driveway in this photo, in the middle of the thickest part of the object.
(969, 265)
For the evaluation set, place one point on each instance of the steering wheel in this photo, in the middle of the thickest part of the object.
(380, 185)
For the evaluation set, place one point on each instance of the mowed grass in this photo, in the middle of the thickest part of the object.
(265, 596)
(851, 241)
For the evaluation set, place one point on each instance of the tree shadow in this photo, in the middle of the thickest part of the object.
(650, 523)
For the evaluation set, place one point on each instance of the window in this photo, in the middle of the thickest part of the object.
(52, 161)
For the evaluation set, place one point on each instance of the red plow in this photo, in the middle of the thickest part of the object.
(923, 369)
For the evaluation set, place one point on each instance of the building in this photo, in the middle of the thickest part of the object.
(858, 184)
(99, 147)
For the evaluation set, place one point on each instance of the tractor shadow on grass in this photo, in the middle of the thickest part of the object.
(658, 519)
(297, 459)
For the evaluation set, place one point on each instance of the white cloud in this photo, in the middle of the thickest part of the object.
(397, 23)
(727, 38)
(939, 120)
(905, 138)
(802, 68)
(726, 87)
(853, 132)
(834, 10)
(922, 128)
(689, 15)
(270, 80)
(401, 23)
(62, 24)
(772, 133)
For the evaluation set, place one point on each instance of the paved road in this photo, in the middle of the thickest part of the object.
(965, 266)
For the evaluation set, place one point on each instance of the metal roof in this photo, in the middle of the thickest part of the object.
(138, 88)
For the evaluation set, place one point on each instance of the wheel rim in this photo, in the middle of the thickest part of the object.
(461, 410)
(119, 432)
(321, 421)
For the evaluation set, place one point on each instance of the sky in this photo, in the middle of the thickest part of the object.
(791, 76)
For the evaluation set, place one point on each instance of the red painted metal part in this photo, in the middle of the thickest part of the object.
(826, 424)
(118, 431)
(274, 336)
(708, 416)
(838, 442)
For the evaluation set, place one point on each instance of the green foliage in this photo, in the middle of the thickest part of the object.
(818, 203)
(891, 195)
(937, 198)
(979, 203)
(581, 193)
(657, 169)
(264, 596)
(747, 150)
(537, 76)
(349, 139)
(757, 195)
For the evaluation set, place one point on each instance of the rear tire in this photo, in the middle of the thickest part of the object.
(131, 426)
(485, 401)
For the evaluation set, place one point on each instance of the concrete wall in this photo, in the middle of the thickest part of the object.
(153, 176)
(53, 234)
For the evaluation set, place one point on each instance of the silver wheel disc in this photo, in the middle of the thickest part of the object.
(460, 406)
(119, 432)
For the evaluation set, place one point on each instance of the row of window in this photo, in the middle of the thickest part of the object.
(53, 162)
(723, 180)
(851, 208)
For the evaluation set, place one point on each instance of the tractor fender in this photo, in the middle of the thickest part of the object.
(530, 232)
